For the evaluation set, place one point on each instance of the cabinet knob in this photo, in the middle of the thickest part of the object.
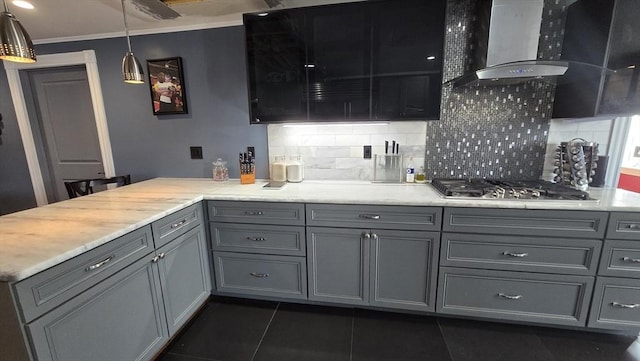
(155, 259)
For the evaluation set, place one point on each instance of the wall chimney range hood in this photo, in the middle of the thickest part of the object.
(508, 45)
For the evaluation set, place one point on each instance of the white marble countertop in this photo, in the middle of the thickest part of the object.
(36, 239)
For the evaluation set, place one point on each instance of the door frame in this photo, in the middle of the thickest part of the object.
(84, 57)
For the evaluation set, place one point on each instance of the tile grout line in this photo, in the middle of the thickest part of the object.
(273, 315)
(353, 321)
(446, 344)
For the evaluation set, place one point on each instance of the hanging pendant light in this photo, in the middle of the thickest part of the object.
(131, 69)
(15, 43)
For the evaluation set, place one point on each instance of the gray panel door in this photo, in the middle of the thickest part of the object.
(68, 126)
(404, 268)
(338, 265)
(121, 318)
(185, 276)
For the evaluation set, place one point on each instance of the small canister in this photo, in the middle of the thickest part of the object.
(220, 170)
(295, 169)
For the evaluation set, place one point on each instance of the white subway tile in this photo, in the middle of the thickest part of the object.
(352, 139)
(318, 140)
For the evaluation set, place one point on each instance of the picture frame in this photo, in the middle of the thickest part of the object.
(168, 95)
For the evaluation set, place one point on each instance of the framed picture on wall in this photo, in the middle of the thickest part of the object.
(166, 82)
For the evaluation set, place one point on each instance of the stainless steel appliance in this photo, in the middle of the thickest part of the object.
(478, 188)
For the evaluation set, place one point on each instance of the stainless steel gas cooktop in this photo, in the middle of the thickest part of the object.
(479, 188)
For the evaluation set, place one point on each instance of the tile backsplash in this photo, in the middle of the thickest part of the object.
(335, 151)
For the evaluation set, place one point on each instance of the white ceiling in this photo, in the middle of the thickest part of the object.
(69, 20)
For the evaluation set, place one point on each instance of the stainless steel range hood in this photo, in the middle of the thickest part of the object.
(507, 52)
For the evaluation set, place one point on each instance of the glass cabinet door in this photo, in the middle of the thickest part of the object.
(339, 55)
(275, 60)
(407, 59)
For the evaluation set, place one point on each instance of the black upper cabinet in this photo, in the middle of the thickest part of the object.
(370, 60)
(408, 43)
(276, 58)
(603, 33)
(339, 55)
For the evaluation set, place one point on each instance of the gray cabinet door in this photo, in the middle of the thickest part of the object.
(289, 214)
(338, 265)
(121, 318)
(624, 225)
(404, 269)
(184, 276)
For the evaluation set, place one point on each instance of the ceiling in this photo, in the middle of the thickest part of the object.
(69, 20)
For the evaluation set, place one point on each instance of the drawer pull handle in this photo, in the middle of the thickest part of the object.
(256, 239)
(155, 259)
(259, 275)
(375, 217)
(254, 213)
(625, 305)
(632, 260)
(179, 224)
(162, 255)
(512, 254)
(634, 226)
(99, 264)
(509, 297)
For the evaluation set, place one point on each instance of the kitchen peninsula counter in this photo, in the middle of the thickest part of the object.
(36, 239)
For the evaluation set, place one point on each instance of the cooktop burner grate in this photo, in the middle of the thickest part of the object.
(507, 189)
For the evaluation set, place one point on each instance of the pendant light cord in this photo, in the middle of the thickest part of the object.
(126, 27)
(6, 8)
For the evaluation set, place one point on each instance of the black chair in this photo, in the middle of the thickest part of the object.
(85, 187)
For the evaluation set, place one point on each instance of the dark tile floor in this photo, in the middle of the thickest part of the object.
(229, 329)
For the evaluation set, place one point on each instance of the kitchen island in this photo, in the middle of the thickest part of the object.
(38, 239)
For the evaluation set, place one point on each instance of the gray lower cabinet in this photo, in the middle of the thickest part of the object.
(546, 298)
(121, 318)
(185, 276)
(385, 268)
(616, 304)
(338, 265)
(518, 264)
(260, 275)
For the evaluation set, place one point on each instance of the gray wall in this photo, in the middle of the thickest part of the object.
(148, 146)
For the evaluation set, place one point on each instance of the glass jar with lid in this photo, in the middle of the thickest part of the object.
(295, 169)
(220, 170)
(279, 169)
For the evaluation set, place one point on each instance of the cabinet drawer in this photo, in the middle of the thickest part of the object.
(548, 255)
(552, 299)
(624, 226)
(48, 289)
(264, 275)
(176, 224)
(571, 224)
(620, 259)
(257, 212)
(616, 304)
(365, 216)
(257, 238)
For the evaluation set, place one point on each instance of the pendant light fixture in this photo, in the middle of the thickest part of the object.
(15, 43)
(131, 69)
